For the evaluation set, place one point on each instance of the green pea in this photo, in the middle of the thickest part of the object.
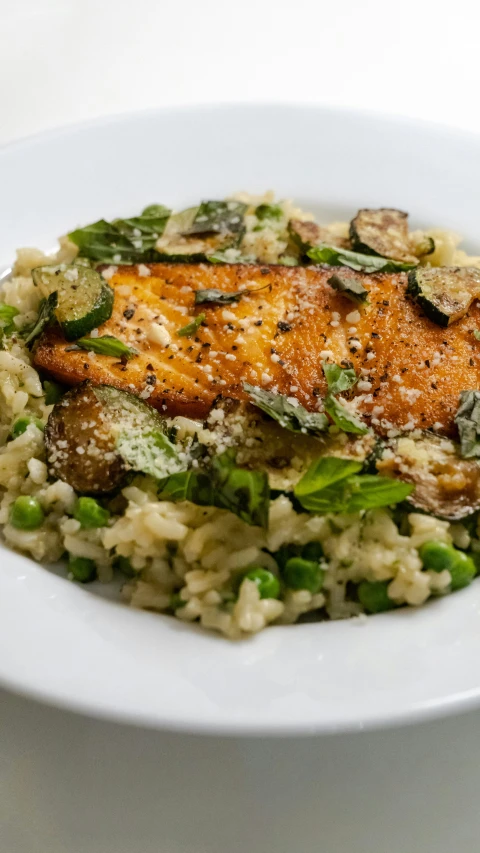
(90, 514)
(176, 602)
(53, 392)
(82, 569)
(268, 584)
(463, 570)
(437, 556)
(268, 211)
(125, 566)
(26, 513)
(312, 551)
(303, 574)
(373, 596)
(22, 423)
(283, 555)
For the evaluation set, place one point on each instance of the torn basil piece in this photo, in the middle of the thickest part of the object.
(332, 484)
(143, 231)
(191, 328)
(336, 257)
(343, 418)
(383, 232)
(467, 420)
(107, 345)
(339, 378)
(444, 293)
(351, 286)
(218, 297)
(124, 241)
(46, 315)
(290, 416)
(224, 485)
(217, 217)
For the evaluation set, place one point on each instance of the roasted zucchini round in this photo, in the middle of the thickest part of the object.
(382, 232)
(85, 300)
(445, 293)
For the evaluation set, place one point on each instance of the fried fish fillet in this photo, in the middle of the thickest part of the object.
(286, 323)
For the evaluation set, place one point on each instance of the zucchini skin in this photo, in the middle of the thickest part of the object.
(442, 305)
(100, 313)
(383, 232)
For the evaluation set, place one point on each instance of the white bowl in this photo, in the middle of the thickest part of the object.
(67, 646)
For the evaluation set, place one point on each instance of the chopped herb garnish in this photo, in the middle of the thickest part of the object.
(476, 334)
(107, 345)
(332, 484)
(45, 316)
(291, 416)
(336, 257)
(124, 241)
(218, 296)
(467, 420)
(192, 327)
(224, 485)
(351, 287)
(218, 217)
(268, 211)
(339, 378)
(7, 313)
(342, 418)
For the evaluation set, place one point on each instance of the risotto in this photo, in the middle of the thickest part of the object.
(251, 417)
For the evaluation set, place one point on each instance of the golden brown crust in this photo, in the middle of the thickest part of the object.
(411, 371)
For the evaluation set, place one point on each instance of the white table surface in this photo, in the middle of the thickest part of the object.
(73, 785)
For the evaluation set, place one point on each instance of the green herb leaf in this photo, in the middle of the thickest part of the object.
(150, 452)
(342, 418)
(124, 241)
(467, 420)
(228, 256)
(7, 313)
(476, 334)
(218, 296)
(224, 485)
(107, 345)
(192, 327)
(351, 287)
(332, 484)
(45, 316)
(339, 378)
(143, 231)
(218, 217)
(269, 211)
(336, 257)
(289, 416)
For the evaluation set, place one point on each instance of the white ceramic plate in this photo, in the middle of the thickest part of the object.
(61, 643)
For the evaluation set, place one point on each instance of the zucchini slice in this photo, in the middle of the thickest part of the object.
(97, 434)
(382, 232)
(446, 485)
(306, 235)
(198, 233)
(445, 293)
(85, 300)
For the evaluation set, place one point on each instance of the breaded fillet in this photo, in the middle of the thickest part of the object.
(276, 336)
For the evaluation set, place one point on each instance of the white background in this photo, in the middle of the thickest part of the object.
(69, 785)
(62, 61)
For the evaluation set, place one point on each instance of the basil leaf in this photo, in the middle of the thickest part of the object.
(335, 485)
(7, 313)
(339, 378)
(45, 316)
(342, 418)
(149, 452)
(217, 296)
(289, 416)
(268, 211)
(467, 420)
(336, 257)
(192, 327)
(351, 287)
(126, 241)
(143, 231)
(106, 345)
(476, 334)
(218, 217)
(245, 493)
(222, 484)
(369, 491)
